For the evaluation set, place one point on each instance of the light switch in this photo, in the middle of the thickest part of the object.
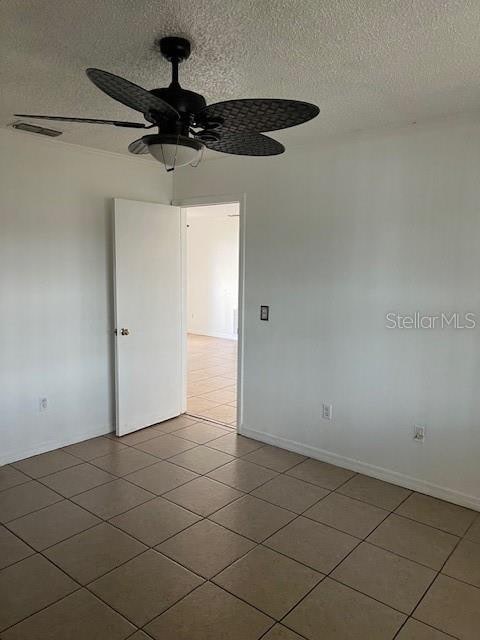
(264, 312)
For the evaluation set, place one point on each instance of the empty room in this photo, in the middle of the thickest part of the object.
(240, 341)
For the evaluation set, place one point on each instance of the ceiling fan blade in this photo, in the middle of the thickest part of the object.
(131, 95)
(258, 114)
(138, 147)
(116, 123)
(246, 144)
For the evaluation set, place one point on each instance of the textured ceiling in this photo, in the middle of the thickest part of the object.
(366, 63)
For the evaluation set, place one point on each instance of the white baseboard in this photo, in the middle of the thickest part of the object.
(50, 445)
(213, 334)
(415, 484)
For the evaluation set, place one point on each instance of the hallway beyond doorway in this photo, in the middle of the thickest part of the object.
(212, 378)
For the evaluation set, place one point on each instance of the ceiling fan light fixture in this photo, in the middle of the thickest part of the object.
(174, 151)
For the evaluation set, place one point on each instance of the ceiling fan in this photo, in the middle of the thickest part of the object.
(186, 124)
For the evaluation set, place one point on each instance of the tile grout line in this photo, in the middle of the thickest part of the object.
(328, 574)
(107, 520)
(297, 515)
(257, 544)
(147, 548)
(436, 577)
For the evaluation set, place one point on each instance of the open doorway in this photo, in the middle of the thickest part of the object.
(212, 298)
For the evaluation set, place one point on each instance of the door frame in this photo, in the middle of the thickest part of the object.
(202, 201)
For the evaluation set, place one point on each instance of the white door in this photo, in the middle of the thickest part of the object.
(149, 314)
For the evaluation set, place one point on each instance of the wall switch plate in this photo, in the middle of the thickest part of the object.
(264, 312)
(419, 433)
(327, 411)
(43, 404)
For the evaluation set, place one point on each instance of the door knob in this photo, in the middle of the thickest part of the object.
(124, 332)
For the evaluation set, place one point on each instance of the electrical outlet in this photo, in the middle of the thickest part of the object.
(419, 433)
(327, 411)
(43, 404)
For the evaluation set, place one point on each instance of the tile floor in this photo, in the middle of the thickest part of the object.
(187, 531)
(212, 378)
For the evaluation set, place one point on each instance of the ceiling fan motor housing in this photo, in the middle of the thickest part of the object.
(184, 101)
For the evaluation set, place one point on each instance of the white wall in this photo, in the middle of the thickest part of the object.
(336, 237)
(56, 288)
(212, 270)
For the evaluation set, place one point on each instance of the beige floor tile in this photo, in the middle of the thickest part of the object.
(474, 531)
(312, 543)
(323, 615)
(80, 616)
(212, 384)
(268, 581)
(144, 587)
(52, 524)
(169, 426)
(414, 540)
(201, 432)
(414, 630)
(210, 613)
(200, 374)
(165, 446)
(207, 386)
(201, 459)
(252, 518)
(381, 494)
(12, 549)
(322, 474)
(221, 396)
(290, 493)
(203, 496)
(437, 513)
(275, 458)
(94, 448)
(139, 635)
(206, 548)
(395, 581)
(221, 370)
(90, 554)
(217, 360)
(348, 515)
(453, 607)
(154, 521)
(198, 405)
(464, 563)
(11, 477)
(28, 586)
(46, 463)
(112, 498)
(279, 632)
(196, 365)
(161, 477)
(77, 479)
(125, 461)
(222, 413)
(25, 498)
(242, 475)
(235, 444)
